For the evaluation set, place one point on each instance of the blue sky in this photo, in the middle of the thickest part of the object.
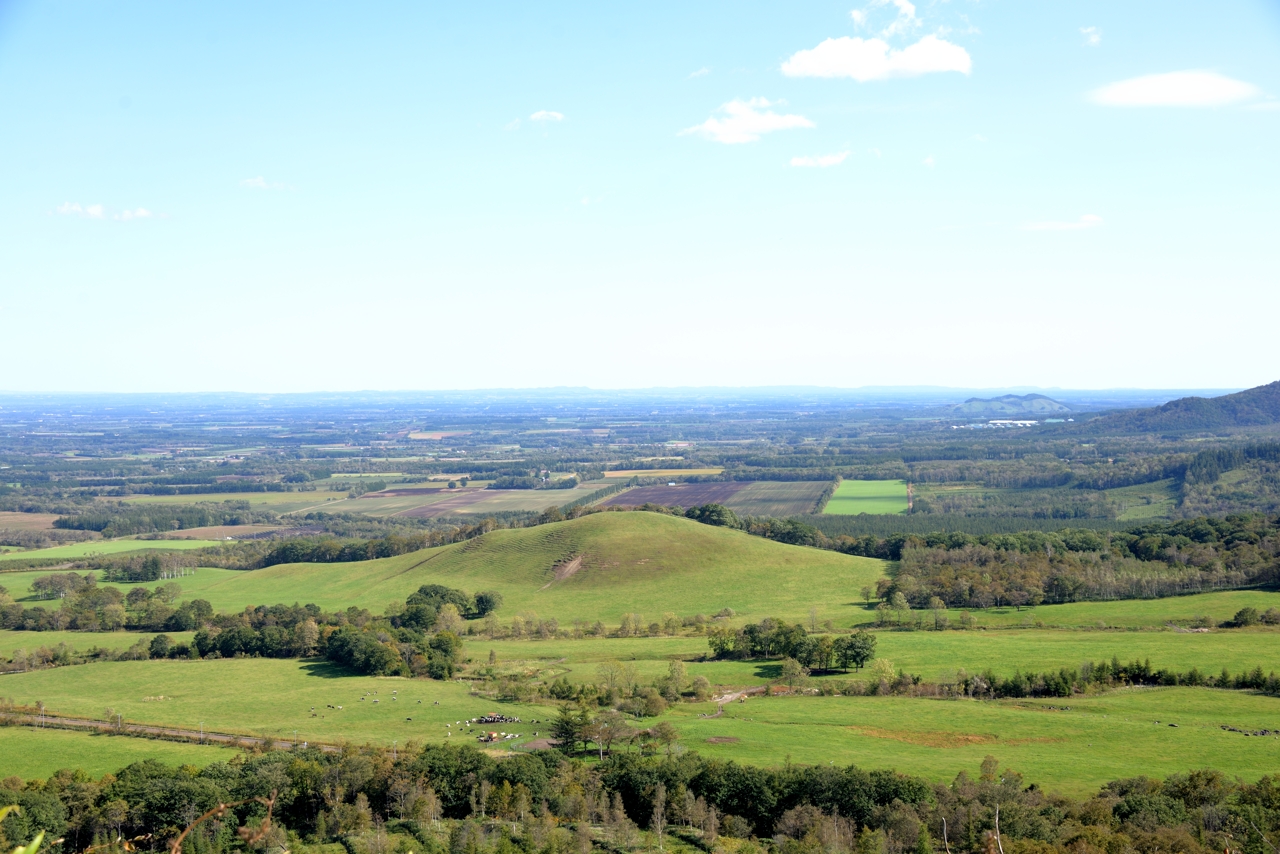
(303, 196)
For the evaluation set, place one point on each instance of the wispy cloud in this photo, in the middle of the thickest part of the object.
(514, 124)
(261, 183)
(101, 212)
(75, 209)
(701, 72)
(1092, 36)
(929, 161)
(873, 59)
(745, 121)
(1086, 221)
(1175, 89)
(547, 116)
(820, 161)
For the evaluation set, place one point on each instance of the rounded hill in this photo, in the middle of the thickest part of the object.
(597, 567)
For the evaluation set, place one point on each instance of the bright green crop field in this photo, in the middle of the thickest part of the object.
(868, 496)
(609, 564)
(33, 753)
(104, 547)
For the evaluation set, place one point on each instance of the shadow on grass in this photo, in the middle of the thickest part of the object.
(769, 671)
(327, 669)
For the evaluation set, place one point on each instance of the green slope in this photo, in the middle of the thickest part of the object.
(643, 563)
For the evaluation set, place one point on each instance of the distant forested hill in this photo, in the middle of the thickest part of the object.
(1010, 404)
(1252, 407)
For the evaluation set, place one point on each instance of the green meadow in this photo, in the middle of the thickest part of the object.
(103, 547)
(81, 641)
(868, 496)
(263, 697)
(33, 753)
(1120, 734)
(933, 655)
(1100, 737)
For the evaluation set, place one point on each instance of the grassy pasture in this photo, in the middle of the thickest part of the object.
(1145, 500)
(38, 753)
(930, 654)
(1125, 613)
(105, 547)
(868, 496)
(643, 563)
(1101, 738)
(82, 641)
(263, 697)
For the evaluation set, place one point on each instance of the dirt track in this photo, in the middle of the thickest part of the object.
(49, 721)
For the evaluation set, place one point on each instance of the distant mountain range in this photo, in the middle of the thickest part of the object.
(1250, 408)
(1010, 405)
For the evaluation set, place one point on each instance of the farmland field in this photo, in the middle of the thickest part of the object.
(680, 495)
(776, 498)
(26, 521)
(1103, 737)
(33, 753)
(868, 496)
(663, 472)
(105, 547)
(280, 502)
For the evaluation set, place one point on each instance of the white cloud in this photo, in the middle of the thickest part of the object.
(875, 151)
(701, 72)
(1092, 36)
(906, 19)
(859, 16)
(929, 161)
(873, 59)
(261, 183)
(1086, 221)
(977, 137)
(547, 116)
(1175, 89)
(745, 121)
(514, 124)
(100, 212)
(820, 161)
(75, 209)
(1265, 105)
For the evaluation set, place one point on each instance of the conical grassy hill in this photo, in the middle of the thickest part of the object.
(594, 568)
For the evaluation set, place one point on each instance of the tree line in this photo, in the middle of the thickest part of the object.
(442, 799)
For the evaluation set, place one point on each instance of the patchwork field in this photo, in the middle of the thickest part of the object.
(754, 498)
(430, 501)
(868, 496)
